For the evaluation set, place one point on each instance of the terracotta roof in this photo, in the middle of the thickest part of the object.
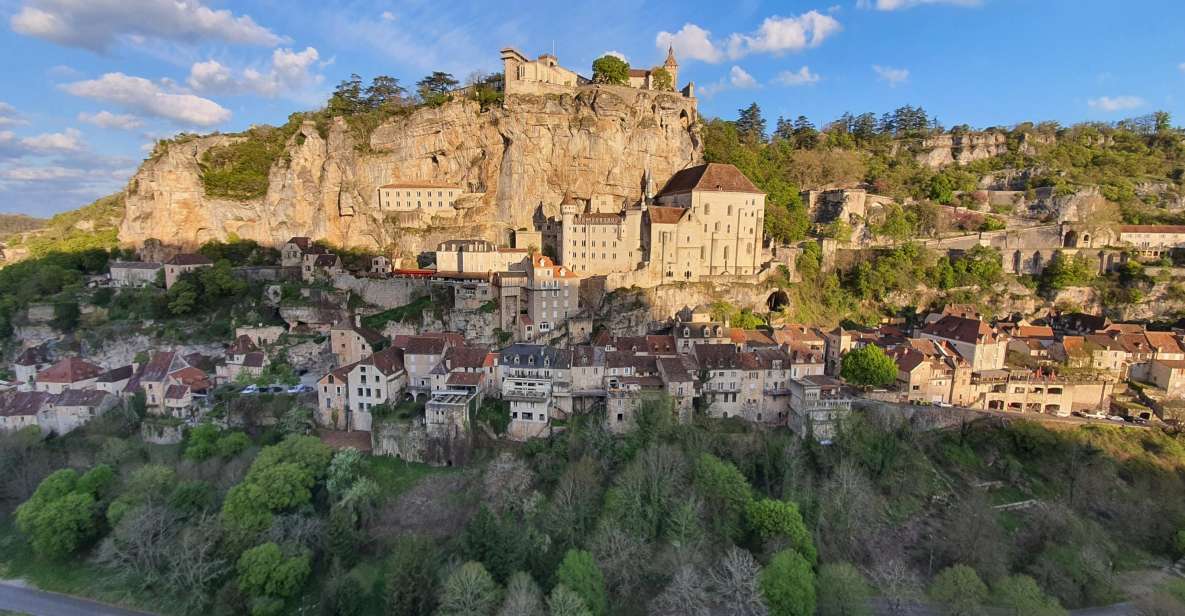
(425, 345)
(752, 337)
(80, 397)
(254, 359)
(1164, 342)
(301, 242)
(22, 403)
(420, 184)
(189, 258)
(1034, 331)
(242, 345)
(711, 176)
(1152, 228)
(341, 373)
(69, 370)
(558, 271)
(388, 361)
(193, 377)
(465, 378)
(958, 328)
(661, 215)
(717, 356)
(638, 72)
(116, 375)
(469, 357)
(158, 366)
(176, 392)
(673, 370)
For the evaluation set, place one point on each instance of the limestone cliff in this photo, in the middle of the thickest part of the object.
(517, 157)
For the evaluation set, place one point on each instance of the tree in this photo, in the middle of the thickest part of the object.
(806, 136)
(773, 520)
(960, 590)
(62, 514)
(737, 580)
(1021, 593)
(684, 595)
(494, 543)
(868, 366)
(183, 296)
(564, 601)
(412, 579)
(660, 79)
(66, 316)
(579, 572)
(788, 585)
(523, 597)
(725, 492)
(611, 70)
(750, 125)
(265, 573)
(383, 90)
(344, 470)
(469, 591)
(842, 591)
(347, 97)
(434, 89)
(942, 189)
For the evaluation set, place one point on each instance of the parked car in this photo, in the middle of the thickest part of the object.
(300, 389)
(250, 390)
(275, 389)
(1116, 418)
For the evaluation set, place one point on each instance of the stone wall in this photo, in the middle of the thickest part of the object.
(409, 440)
(385, 293)
(162, 433)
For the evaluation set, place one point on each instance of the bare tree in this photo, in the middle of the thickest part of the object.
(898, 584)
(140, 545)
(574, 504)
(623, 557)
(736, 581)
(685, 595)
(195, 562)
(523, 597)
(849, 514)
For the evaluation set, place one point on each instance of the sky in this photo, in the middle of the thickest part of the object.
(86, 86)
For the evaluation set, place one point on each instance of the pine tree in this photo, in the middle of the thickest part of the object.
(750, 124)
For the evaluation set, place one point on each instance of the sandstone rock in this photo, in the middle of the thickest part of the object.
(528, 153)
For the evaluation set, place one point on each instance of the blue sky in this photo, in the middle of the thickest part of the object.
(87, 85)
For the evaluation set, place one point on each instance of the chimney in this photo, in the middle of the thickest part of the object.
(357, 320)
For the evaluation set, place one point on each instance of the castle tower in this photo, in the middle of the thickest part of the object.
(647, 188)
(672, 67)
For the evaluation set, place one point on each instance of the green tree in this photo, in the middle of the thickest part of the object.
(469, 591)
(523, 597)
(660, 79)
(868, 366)
(183, 296)
(960, 590)
(62, 514)
(434, 89)
(384, 90)
(347, 98)
(942, 189)
(1021, 593)
(66, 316)
(265, 573)
(412, 577)
(788, 585)
(750, 125)
(842, 591)
(772, 520)
(725, 492)
(611, 70)
(579, 572)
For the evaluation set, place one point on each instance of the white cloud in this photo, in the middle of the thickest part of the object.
(388, 16)
(893, 76)
(106, 119)
(1117, 103)
(741, 79)
(691, 42)
(288, 73)
(893, 5)
(801, 77)
(140, 95)
(776, 35)
(69, 140)
(615, 54)
(1181, 66)
(8, 115)
(98, 24)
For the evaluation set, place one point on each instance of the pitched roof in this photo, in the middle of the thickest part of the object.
(674, 370)
(535, 355)
(1152, 228)
(1164, 342)
(662, 215)
(465, 378)
(242, 345)
(388, 361)
(32, 356)
(22, 403)
(419, 184)
(116, 375)
(325, 260)
(176, 392)
(80, 397)
(69, 370)
(134, 265)
(710, 176)
(254, 359)
(717, 356)
(466, 357)
(301, 242)
(192, 377)
(189, 258)
(158, 366)
(370, 335)
(587, 356)
(958, 328)
(425, 345)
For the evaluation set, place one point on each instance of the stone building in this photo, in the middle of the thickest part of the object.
(536, 381)
(130, 274)
(595, 242)
(980, 344)
(68, 373)
(377, 379)
(643, 78)
(351, 341)
(1153, 241)
(183, 263)
(413, 196)
(541, 76)
(476, 257)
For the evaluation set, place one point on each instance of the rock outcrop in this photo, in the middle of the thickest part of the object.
(515, 158)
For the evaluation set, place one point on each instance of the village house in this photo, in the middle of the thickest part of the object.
(350, 341)
(20, 409)
(114, 381)
(379, 379)
(695, 326)
(26, 366)
(978, 343)
(476, 257)
(183, 264)
(721, 378)
(73, 408)
(411, 196)
(292, 253)
(243, 359)
(1153, 241)
(333, 398)
(68, 373)
(644, 79)
(1168, 375)
(817, 406)
(536, 381)
(932, 372)
(163, 370)
(323, 266)
(133, 274)
(421, 354)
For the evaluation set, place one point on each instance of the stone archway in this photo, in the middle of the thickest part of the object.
(777, 301)
(1070, 240)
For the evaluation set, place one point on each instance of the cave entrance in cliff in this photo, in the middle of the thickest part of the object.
(777, 301)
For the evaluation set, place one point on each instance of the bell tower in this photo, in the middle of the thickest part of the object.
(672, 67)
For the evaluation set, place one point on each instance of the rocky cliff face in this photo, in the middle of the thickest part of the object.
(518, 157)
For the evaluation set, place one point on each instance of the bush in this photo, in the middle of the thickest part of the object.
(62, 515)
(960, 590)
(788, 585)
(579, 572)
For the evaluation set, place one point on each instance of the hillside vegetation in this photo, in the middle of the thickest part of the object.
(91, 227)
(12, 224)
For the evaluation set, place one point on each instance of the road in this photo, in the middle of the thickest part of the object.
(20, 598)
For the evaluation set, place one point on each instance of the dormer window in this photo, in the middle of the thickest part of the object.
(516, 360)
(686, 332)
(531, 360)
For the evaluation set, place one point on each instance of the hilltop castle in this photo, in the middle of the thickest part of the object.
(545, 75)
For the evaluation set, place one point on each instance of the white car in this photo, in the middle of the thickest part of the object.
(1116, 418)
(300, 389)
(250, 390)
